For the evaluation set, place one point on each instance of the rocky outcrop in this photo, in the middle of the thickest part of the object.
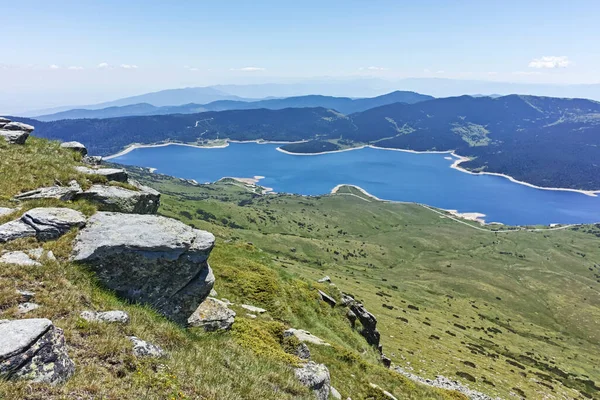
(253, 309)
(5, 211)
(26, 307)
(14, 132)
(335, 394)
(324, 279)
(63, 193)
(369, 324)
(113, 198)
(212, 315)
(75, 146)
(15, 230)
(112, 174)
(92, 160)
(143, 349)
(18, 258)
(315, 377)
(52, 222)
(347, 300)
(305, 336)
(149, 259)
(327, 299)
(115, 316)
(34, 349)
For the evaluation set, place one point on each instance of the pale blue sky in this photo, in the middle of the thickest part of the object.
(108, 48)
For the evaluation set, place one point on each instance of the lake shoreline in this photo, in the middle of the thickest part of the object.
(456, 165)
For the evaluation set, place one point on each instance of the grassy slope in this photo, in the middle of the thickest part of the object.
(248, 362)
(517, 311)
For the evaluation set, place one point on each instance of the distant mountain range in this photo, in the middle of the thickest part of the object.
(546, 141)
(344, 105)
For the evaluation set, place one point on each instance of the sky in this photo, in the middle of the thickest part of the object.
(83, 51)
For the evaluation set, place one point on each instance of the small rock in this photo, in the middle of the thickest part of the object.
(254, 309)
(212, 314)
(315, 377)
(302, 351)
(14, 137)
(75, 146)
(15, 230)
(35, 350)
(112, 174)
(305, 336)
(18, 126)
(251, 316)
(327, 299)
(142, 349)
(347, 300)
(92, 160)
(35, 253)
(26, 295)
(50, 256)
(386, 361)
(213, 293)
(18, 258)
(324, 279)
(383, 392)
(51, 223)
(63, 193)
(24, 308)
(335, 394)
(106, 316)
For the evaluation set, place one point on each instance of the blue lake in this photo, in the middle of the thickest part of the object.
(390, 175)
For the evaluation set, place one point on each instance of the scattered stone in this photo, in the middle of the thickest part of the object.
(212, 315)
(51, 223)
(18, 258)
(116, 316)
(251, 316)
(253, 309)
(63, 193)
(213, 293)
(26, 295)
(324, 279)
(5, 211)
(335, 394)
(327, 299)
(143, 349)
(18, 126)
(369, 324)
(347, 300)
(315, 377)
(34, 349)
(14, 137)
(149, 259)
(305, 336)
(92, 160)
(118, 199)
(302, 351)
(112, 174)
(383, 392)
(24, 308)
(75, 146)
(50, 256)
(35, 253)
(386, 361)
(15, 230)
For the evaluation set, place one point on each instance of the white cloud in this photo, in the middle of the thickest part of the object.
(248, 69)
(373, 68)
(527, 73)
(103, 65)
(550, 62)
(53, 66)
(75, 68)
(129, 66)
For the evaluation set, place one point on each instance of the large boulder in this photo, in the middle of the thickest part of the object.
(212, 315)
(18, 126)
(14, 137)
(75, 146)
(368, 322)
(34, 349)
(113, 198)
(315, 377)
(112, 174)
(63, 193)
(149, 259)
(3, 121)
(15, 230)
(53, 222)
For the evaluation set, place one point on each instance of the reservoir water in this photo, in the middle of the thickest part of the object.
(391, 175)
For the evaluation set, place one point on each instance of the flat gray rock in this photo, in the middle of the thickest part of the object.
(115, 316)
(315, 377)
(142, 349)
(212, 315)
(254, 309)
(324, 279)
(3, 121)
(149, 259)
(305, 336)
(26, 295)
(24, 308)
(15, 230)
(92, 160)
(112, 174)
(14, 137)
(34, 349)
(75, 146)
(327, 299)
(18, 258)
(118, 199)
(53, 222)
(63, 193)
(18, 126)
(5, 211)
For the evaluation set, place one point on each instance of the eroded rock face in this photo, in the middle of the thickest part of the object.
(18, 126)
(368, 322)
(63, 193)
(316, 378)
(34, 349)
(52, 222)
(15, 230)
(149, 259)
(118, 199)
(14, 137)
(75, 146)
(112, 174)
(212, 315)
(327, 299)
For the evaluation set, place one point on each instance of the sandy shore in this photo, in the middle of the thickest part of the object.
(471, 216)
